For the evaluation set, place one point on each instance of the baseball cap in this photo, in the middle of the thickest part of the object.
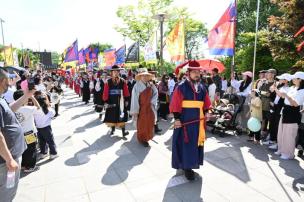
(298, 75)
(285, 76)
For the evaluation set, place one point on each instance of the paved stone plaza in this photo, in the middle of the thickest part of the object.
(94, 166)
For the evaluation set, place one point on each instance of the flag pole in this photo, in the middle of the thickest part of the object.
(235, 26)
(255, 41)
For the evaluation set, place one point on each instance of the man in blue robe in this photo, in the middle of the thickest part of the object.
(189, 105)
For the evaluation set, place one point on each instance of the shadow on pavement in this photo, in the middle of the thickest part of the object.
(88, 125)
(189, 191)
(83, 156)
(130, 154)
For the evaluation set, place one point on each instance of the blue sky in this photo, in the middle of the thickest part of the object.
(55, 24)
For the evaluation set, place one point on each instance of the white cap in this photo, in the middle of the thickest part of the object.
(298, 75)
(285, 76)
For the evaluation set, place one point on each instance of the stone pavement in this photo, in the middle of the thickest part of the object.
(94, 166)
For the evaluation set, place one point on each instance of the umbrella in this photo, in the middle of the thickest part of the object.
(206, 64)
(11, 69)
(210, 64)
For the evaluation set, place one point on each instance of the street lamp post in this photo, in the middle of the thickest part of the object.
(161, 18)
(1, 21)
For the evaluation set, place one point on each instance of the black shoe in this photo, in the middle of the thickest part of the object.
(300, 153)
(157, 130)
(145, 144)
(100, 116)
(125, 133)
(112, 131)
(189, 174)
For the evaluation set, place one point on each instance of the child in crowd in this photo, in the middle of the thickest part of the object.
(43, 123)
(256, 112)
(56, 93)
(25, 116)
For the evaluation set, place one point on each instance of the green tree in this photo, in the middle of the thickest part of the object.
(137, 21)
(101, 47)
(283, 27)
(246, 17)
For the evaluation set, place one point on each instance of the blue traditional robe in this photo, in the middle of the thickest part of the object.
(189, 103)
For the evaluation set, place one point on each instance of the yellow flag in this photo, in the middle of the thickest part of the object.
(7, 54)
(175, 42)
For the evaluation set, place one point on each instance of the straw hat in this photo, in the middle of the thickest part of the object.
(143, 72)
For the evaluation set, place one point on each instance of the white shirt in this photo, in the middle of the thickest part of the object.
(9, 95)
(43, 120)
(224, 85)
(297, 95)
(171, 85)
(40, 87)
(284, 89)
(25, 116)
(211, 91)
(236, 84)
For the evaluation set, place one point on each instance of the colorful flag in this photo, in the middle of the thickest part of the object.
(150, 49)
(81, 57)
(15, 59)
(72, 52)
(87, 52)
(221, 38)
(133, 53)
(101, 60)
(120, 55)
(175, 42)
(110, 57)
(299, 32)
(7, 54)
(94, 54)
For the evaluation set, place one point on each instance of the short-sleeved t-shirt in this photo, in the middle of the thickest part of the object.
(11, 130)
(297, 95)
(25, 116)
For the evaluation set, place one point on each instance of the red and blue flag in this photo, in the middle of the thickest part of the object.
(72, 52)
(81, 57)
(120, 55)
(221, 38)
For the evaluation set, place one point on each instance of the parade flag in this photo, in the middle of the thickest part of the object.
(94, 54)
(150, 49)
(26, 59)
(81, 57)
(72, 52)
(120, 55)
(133, 53)
(7, 54)
(221, 38)
(175, 42)
(87, 52)
(101, 60)
(299, 32)
(110, 57)
(15, 59)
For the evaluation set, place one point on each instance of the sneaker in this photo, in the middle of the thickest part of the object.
(274, 146)
(53, 156)
(277, 153)
(285, 157)
(29, 170)
(145, 144)
(268, 142)
(42, 156)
